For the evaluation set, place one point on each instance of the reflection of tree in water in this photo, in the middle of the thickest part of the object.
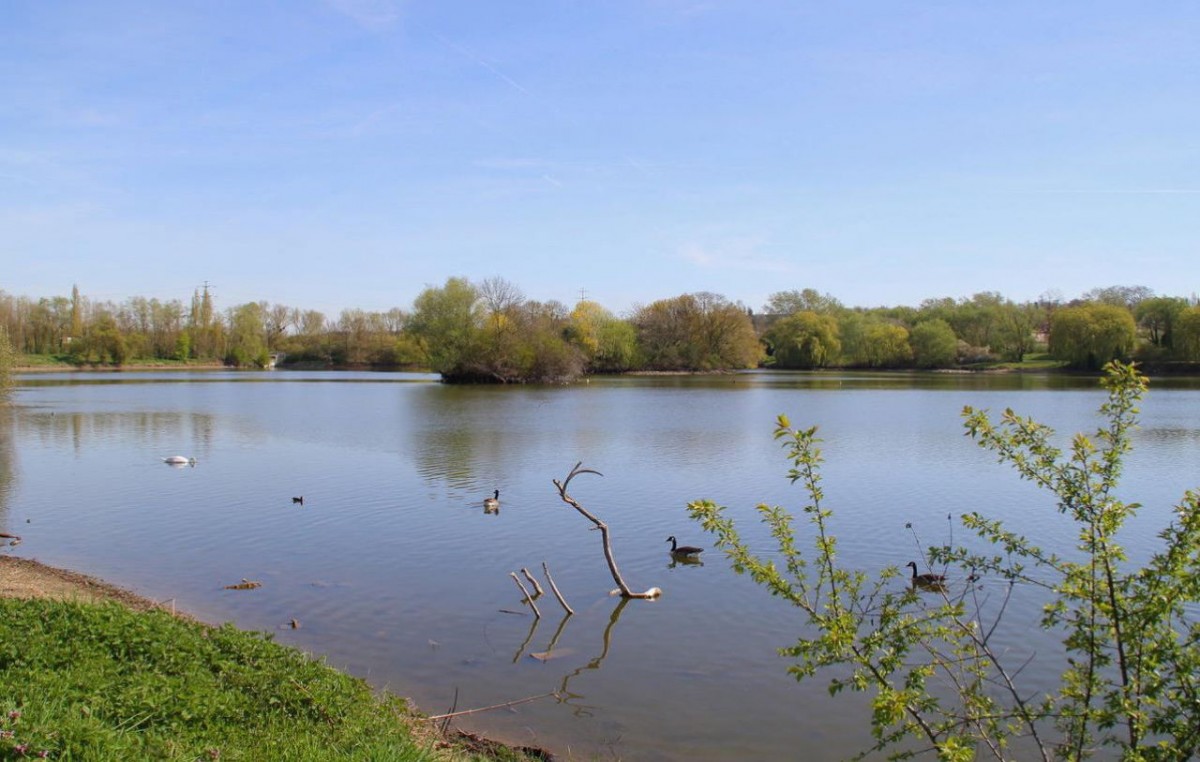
(444, 434)
(8, 465)
(564, 694)
(154, 431)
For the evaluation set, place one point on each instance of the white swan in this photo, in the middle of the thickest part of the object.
(179, 460)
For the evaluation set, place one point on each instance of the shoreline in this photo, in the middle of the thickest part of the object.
(28, 578)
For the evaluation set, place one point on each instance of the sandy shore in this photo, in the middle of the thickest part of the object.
(26, 578)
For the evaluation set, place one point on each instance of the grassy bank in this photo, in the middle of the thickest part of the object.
(103, 682)
(26, 362)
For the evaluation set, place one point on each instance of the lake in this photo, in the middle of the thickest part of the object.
(396, 574)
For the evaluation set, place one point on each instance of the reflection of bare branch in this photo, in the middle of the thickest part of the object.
(528, 597)
(626, 592)
(548, 654)
(565, 696)
(554, 587)
(525, 643)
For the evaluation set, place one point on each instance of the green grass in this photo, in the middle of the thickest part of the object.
(42, 361)
(67, 362)
(101, 682)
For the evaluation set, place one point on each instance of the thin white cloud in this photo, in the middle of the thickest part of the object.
(374, 15)
(479, 60)
(1122, 191)
(731, 254)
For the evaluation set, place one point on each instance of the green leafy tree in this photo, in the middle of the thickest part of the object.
(928, 654)
(1157, 316)
(808, 300)
(804, 340)
(1013, 336)
(608, 344)
(873, 342)
(247, 344)
(696, 332)
(541, 352)
(934, 344)
(1090, 335)
(102, 343)
(447, 323)
(1187, 335)
(8, 358)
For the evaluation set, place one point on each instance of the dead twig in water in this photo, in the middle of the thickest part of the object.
(625, 590)
(446, 717)
(528, 597)
(536, 585)
(493, 706)
(554, 588)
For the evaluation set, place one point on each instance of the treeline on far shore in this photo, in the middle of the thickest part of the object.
(488, 331)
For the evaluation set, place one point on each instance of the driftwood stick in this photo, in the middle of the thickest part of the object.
(533, 581)
(626, 591)
(554, 588)
(493, 706)
(528, 597)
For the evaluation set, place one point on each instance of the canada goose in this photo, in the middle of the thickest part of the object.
(298, 500)
(179, 460)
(925, 580)
(684, 551)
(492, 504)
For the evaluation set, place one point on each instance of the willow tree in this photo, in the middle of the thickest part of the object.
(608, 343)
(447, 323)
(804, 339)
(1090, 335)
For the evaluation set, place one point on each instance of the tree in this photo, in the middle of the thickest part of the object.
(608, 344)
(102, 342)
(1013, 336)
(1090, 335)
(247, 336)
(502, 304)
(1128, 297)
(929, 655)
(808, 300)
(1187, 335)
(805, 340)
(696, 332)
(277, 319)
(1157, 315)
(871, 342)
(934, 344)
(541, 353)
(7, 360)
(447, 322)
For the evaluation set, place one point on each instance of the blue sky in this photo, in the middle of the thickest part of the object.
(348, 153)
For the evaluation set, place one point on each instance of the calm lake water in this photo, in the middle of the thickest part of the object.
(396, 573)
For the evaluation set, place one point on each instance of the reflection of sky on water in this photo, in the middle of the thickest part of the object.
(392, 552)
